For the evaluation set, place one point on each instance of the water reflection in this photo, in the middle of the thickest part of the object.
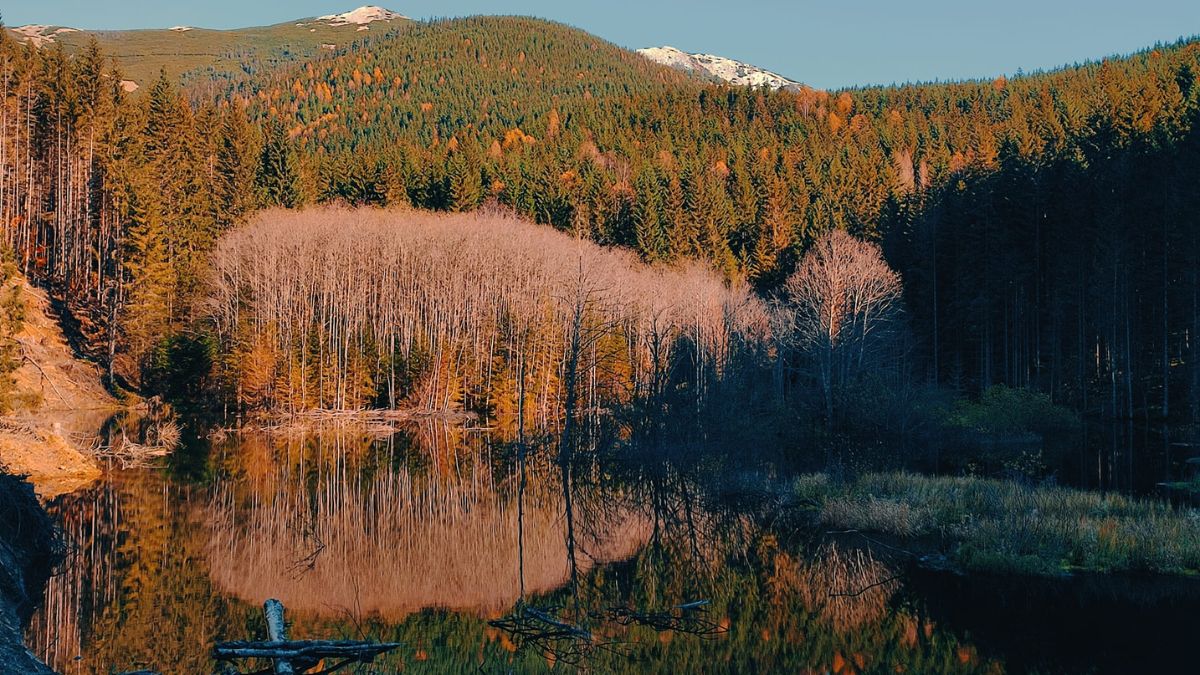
(424, 536)
(325, 537)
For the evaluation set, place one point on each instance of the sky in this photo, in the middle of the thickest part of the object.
(826, 44)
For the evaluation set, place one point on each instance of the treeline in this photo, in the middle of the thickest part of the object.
(341, 309)
(113, 202)
(1043, 226)
(1075, 273)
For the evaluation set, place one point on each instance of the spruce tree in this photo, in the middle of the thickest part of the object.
(647, 217)
(278, 170)
(466, 184)
(236, 166)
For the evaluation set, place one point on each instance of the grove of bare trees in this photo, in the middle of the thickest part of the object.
(345, 309)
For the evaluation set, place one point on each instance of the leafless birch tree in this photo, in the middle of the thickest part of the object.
(840, 310)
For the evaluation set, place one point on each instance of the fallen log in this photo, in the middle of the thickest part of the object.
(289, 657)
(295, 649)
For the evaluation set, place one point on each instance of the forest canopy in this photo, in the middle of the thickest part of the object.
(1044, 225)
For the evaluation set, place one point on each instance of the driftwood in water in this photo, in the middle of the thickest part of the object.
(687, 618)
(539, 628)
(298, 656)
(571, 643)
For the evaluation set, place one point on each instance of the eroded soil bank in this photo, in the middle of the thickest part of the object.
(58, 405)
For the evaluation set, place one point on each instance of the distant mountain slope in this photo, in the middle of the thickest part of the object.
(197, 54)
(726, 70)
(471, 77)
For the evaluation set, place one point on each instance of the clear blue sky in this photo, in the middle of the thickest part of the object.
(825, 43)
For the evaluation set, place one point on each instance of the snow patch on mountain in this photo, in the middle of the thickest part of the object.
(361, 16)
(40, 34)
(180, 29)
(727, 70)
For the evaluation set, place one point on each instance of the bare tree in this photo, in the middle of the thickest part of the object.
(840, 310)
(334, 308)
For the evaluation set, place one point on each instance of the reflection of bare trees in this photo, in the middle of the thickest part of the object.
(90, 522)
(585, 624)
(320, 535)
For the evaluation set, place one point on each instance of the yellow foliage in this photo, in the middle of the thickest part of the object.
(835, 122)
(844, 103)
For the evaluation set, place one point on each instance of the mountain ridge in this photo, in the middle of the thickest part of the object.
(724, 69)
(196, 52)
(184, 50)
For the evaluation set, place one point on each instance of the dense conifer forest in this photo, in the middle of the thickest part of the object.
(1044, 227)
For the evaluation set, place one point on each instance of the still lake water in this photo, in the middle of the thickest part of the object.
(425, 535)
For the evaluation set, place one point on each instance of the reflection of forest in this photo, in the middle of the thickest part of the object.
(324, 537)
(133, 593)
(162, 569)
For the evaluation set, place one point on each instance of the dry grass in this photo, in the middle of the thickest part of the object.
(847, 588)
(1005, 526)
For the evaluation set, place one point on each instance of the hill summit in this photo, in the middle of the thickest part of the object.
(719, 67)
(361, 16)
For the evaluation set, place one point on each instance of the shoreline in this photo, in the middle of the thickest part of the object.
(985, 526)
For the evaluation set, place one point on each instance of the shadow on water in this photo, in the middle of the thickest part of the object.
(434, 535)
(1082, 624)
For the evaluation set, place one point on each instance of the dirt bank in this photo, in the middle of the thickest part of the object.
(59, 405)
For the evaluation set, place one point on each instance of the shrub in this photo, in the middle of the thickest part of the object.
(1007, 410)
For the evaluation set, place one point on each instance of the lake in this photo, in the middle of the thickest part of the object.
(432, 535)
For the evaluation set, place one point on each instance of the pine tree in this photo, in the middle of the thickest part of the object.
(236, 166)
(278, 177)
(150, 282)
(648, 217)
(466, 184)
(681, 227)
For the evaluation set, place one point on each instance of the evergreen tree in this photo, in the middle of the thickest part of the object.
(236, 167)
(465, 182)
(647, 217)
(12, 317)
(278, 177)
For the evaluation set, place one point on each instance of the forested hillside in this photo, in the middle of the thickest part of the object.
(1045, 227)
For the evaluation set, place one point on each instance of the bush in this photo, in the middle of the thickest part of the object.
(1005, 410)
